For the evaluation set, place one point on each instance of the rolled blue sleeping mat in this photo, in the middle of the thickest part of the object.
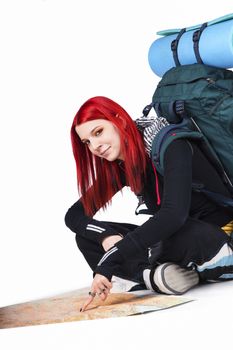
(215, 46)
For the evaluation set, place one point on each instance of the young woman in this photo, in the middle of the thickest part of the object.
(182, 243)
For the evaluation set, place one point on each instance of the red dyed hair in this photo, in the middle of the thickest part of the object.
(99, 179)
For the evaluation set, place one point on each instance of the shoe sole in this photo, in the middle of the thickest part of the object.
(173, 279)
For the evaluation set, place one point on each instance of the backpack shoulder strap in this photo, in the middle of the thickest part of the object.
(167, 135)
(175, 131)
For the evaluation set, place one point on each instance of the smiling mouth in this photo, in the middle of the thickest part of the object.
(105, 151)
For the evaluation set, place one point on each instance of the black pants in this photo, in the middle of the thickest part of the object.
(93, 252)
(195, 243)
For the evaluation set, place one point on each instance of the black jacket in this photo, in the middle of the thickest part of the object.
(184, 164)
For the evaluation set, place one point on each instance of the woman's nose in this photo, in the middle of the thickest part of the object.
(95, 144)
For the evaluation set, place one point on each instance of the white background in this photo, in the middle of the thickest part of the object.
(54, 55)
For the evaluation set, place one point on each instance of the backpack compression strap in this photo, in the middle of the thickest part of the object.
(196, 39)
(174, 46)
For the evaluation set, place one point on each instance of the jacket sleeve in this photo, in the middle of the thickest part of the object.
(176, 200)
(77, 221)
(174, 211)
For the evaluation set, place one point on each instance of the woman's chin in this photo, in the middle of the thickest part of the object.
(111, 157)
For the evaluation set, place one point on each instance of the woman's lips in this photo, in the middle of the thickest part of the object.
(103, 153)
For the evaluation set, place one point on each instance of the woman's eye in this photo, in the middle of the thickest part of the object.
(98, 132)
(86, 142)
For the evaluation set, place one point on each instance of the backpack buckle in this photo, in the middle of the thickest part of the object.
(147, 110)
(174, 44)
(198, 32)
(196, 35)
(179, 107)
(176, 111)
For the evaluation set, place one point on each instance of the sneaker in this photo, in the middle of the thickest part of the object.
(169, 278)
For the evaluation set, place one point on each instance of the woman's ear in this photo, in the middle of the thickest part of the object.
(122, 120)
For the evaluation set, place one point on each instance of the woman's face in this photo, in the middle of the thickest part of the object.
(102, 138)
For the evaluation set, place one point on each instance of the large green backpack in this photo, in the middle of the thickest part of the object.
(197, 101)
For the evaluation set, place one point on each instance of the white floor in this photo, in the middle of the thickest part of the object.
(203, 323)
(55, 54)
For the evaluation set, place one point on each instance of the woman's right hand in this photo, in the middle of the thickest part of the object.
(109, 241)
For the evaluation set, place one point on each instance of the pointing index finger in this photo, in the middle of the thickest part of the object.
(87, 302)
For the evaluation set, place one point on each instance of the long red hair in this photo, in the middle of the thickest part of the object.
(98, 179)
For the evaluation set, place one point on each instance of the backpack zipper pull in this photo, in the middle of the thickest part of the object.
(210, 81)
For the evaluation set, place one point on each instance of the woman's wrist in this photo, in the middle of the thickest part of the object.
(109, 263)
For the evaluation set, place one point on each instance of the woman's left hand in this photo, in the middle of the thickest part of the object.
(100, 287)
